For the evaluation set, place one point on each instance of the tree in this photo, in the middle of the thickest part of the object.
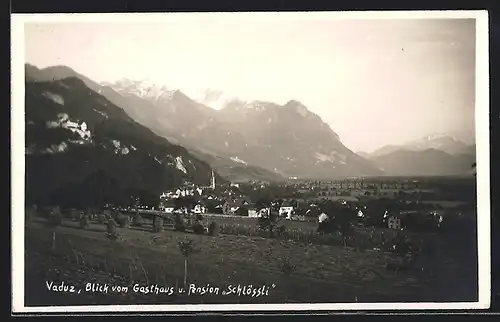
(287, 268)
(213, 229)
(54, 221)
(111, 229)
(157, 224)
(137, 220)
(179, 223)
(187, 248)
(340, 219)
(84, 222)
(263, 202)
(187, 202)
(269, 220)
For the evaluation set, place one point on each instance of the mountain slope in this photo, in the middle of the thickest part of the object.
(430, 162)
(439, 141)
(81, 149)
(236, 171)
(166, 112)
(288, 140)
(435, 154)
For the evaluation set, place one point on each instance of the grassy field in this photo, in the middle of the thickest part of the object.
(446, 272)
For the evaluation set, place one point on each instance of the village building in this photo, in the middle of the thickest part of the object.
(263, 212)
(168, 206)
(287, 209)
(394, 222)
(234, 206)
(199, 208)
(253, 212)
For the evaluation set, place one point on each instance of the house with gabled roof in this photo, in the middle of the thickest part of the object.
(232, 205)
(287, 208)
(168, 206)
(199, 208)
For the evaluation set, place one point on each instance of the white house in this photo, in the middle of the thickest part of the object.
(286, 210)
(253, 213)
(263, 212)
(199, 209)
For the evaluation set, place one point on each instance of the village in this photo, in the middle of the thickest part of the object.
(369, 199)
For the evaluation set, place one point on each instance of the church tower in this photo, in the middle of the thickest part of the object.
(212, 181)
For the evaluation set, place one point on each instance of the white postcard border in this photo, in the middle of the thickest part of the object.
(18, 156)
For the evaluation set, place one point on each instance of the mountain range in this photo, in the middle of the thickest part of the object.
(435, 154)
(245, 140)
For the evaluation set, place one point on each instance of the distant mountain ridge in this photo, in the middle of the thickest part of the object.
(435, 154)
(439, 141)
(429, 162)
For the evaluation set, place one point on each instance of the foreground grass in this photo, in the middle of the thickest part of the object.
(322, 274)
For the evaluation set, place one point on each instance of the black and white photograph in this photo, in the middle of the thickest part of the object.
(250, 161)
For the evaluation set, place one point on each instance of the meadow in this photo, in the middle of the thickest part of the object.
(290, 268)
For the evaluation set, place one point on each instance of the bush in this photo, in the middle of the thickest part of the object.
(179, 223)
(55, 218)
(111, 226)
(101, 219)
(198, 228)
(269, 223)
(157, 224)
(137, 220)
(213, 229)
(122, 221)
(281, 230)
(84, 222)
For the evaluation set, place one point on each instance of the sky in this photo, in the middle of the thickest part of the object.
(374, 81)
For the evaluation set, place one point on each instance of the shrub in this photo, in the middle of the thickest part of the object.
(179, 223)
(137, 220)
(55, 219)
(74, 214)
(84, 222)
(122, 221)
(101, 219)
(198, 228)
(157, 224)
(269, 222)
(281, 230)
(286, 266)
(111, 226)
(213, 229)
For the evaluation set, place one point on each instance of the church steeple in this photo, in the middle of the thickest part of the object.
(212, 181)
